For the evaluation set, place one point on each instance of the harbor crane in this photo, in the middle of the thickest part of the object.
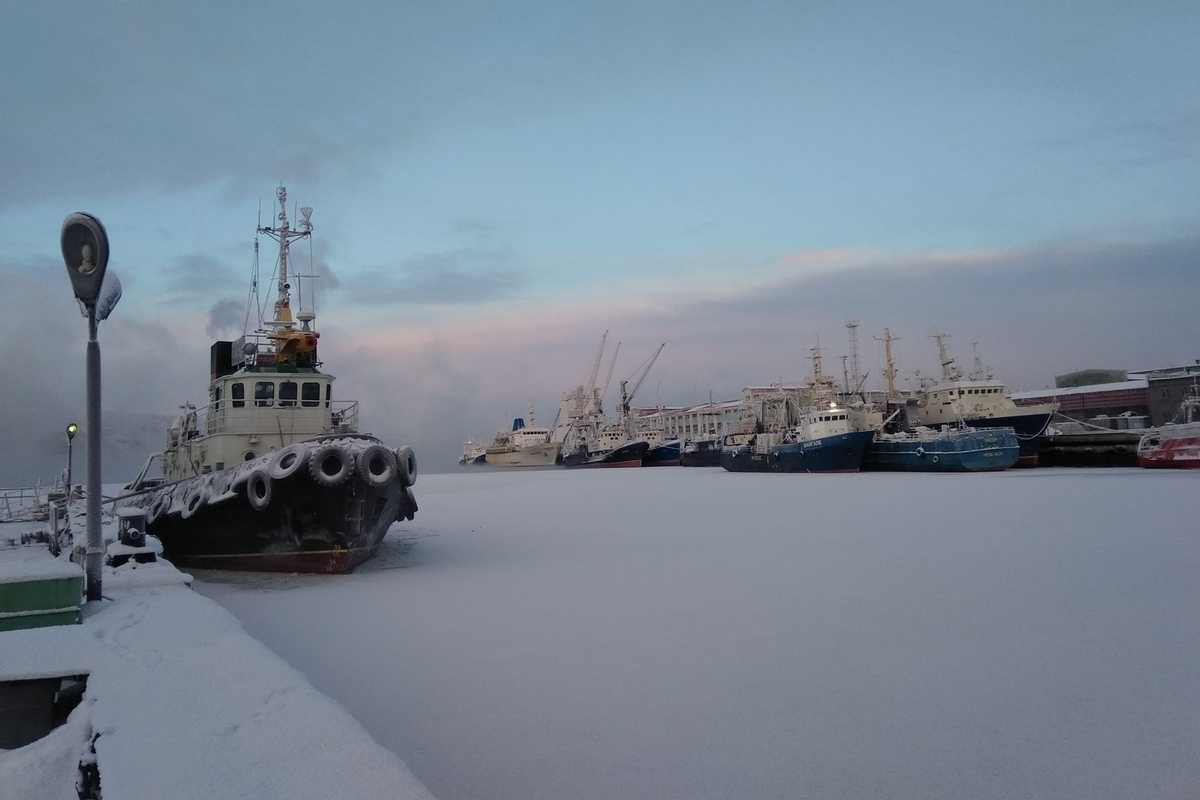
(608, 377)
(586, 402)
(627, 397)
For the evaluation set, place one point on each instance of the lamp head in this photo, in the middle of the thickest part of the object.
(72, 429)
(85, 252)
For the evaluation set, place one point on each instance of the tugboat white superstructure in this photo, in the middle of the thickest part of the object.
(273, 474)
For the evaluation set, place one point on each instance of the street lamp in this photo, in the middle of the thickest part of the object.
(85, 252)
(72, 429)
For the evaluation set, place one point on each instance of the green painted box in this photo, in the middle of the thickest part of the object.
(39, 594)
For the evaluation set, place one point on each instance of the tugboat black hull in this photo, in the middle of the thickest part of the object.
(321, 506)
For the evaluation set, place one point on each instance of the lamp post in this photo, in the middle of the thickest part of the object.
(85, 252)
(72, 429)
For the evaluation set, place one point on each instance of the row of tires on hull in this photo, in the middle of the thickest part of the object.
(333, 463)
(330, 464)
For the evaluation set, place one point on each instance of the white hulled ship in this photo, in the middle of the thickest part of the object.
(523, 446)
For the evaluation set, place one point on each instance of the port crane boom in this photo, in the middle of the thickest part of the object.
(627, 398)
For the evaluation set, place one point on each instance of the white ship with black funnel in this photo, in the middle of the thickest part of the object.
(274, 474)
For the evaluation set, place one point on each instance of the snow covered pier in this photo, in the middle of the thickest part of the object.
(181, 702)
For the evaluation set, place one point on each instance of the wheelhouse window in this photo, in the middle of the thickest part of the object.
(237, 395)
(264, 393)
(287, 393)
(328, 394)
(310, 394)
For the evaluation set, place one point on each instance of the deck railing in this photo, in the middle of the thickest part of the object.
(24, 504)
(342, 416)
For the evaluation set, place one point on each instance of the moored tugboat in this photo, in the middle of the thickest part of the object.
(274, 474)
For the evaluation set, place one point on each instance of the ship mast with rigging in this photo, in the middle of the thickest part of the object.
(292, 347)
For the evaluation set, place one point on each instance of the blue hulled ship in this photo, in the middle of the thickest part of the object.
(825, 439)
(947, 450)
(979, 401)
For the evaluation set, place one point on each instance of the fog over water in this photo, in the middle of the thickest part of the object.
(695, 633)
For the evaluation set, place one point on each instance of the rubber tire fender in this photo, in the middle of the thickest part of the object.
(406, 462)
(288, 461)
(194, 497)
(331, 455)
(160, 507)
(259, 489)
(377, 465)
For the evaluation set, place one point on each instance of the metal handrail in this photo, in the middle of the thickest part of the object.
(343, 416)
(22, 503)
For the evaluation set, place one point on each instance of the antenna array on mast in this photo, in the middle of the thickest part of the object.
(852, 330)
(891, 363)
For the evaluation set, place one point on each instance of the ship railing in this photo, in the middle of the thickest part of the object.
(340, 416)
(344, 418)
(23, 504)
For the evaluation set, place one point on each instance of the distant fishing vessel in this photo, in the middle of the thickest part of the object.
(1175, 445)
(813, 433)
(473, 453)
(603, 447)
(702, 451)
(978, 401)
(822, 440)
(663, 454)
(704, 448)
(588, 438)
(273, 474)
(950, 450)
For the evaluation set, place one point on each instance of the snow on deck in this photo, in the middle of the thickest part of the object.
(35, 564)
(182, 703)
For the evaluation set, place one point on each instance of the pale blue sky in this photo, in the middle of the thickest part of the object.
(497, 184)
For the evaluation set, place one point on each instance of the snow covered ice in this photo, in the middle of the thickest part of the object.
(182, 704)
(701, 634)
(666, 633)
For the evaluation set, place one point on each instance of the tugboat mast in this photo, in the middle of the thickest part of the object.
(285, 236)
(291, 346)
